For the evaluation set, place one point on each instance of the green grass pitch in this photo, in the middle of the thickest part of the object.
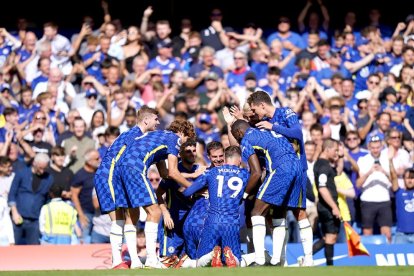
(314, 271)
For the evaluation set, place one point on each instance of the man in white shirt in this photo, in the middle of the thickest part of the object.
(60, 47)
(374, 181)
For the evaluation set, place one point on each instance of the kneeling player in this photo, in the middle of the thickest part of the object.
(226, 185)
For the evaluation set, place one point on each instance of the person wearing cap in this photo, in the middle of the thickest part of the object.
(374, 181)
(391, 105)
(164, 60)
(206, 130)
(86, 111)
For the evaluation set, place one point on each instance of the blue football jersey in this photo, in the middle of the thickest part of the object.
(285, 117)
(176, 202)
(150, 148)
(120, 141)
(274, 146)
(226, 185)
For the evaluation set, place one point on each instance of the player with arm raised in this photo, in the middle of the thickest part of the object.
(285, 121)
(282, 186)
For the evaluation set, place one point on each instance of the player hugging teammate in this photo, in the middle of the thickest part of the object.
(201, 221)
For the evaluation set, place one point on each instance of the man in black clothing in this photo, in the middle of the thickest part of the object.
(62, 176)
(328, 211)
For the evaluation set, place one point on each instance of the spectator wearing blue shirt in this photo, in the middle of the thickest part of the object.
(290, 40)
(200, 70)
(26, 106)
(404, 201)
(392, 106)
(164, 60)
(82, 187)
(28, 193)
(313, 17)
(44, 68)
(206, 130)
(235, 78)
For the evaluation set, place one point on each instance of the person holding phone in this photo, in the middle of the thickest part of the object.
(374, 181)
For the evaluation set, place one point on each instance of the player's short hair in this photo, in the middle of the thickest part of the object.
(239, 125)
(56, 191)
(214, 146)
(144, 111)
(259, 97)
(329, 143)
(185, 127)
(232, 151)
(188, 143)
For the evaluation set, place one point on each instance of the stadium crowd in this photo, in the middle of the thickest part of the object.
(64, 102)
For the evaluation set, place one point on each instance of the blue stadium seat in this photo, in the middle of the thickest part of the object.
(374, 239)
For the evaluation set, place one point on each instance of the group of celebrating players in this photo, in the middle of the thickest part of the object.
(200, 207)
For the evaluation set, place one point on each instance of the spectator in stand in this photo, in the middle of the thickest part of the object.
(6, 176)
(44, 68)
(215, 35)
(313, 17)
(206, 131)
(111, 133)
(81, 188)
(65, 90)
(404, 200)
(375, 184)
(28, 193)
(78, 144)
(87, 111)
(26, 105)
(62, 176)
(366, 124)
(6, 226)
(11, 125)
(70, 118)
(57, 219)
(61, 47)
(401, 158)
(291, 41)
(132, 49)
(199, 71)
(164, 60)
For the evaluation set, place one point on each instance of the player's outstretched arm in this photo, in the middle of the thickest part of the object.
(294, 132)
(198, 184)
(255, 173)
(173, 172)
